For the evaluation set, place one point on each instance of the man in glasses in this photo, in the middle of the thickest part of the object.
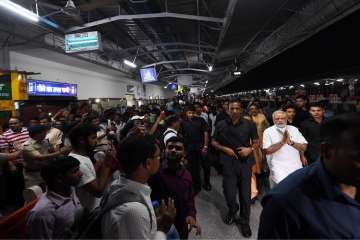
(175, 182)
(323, 199)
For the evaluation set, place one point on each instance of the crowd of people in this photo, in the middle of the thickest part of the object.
(135, 172)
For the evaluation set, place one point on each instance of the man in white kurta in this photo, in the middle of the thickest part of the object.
(283, 145)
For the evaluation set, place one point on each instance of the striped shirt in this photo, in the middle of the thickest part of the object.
(13, 140)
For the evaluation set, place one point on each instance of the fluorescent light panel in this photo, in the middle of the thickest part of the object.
(237, 73)
(130, 64)
(19, 10)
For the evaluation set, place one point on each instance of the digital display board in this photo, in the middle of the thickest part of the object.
(148, 75)
(80, 42)
(46, 88)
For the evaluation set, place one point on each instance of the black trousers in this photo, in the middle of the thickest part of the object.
(237, 180)
(195, 162)
(15, 185)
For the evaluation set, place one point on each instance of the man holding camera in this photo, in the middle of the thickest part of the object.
(236, 138)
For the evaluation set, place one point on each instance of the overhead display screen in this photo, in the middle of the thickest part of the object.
(148, 75)
(81, 42)
(46, 88)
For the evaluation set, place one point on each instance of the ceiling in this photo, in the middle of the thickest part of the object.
(179, 37)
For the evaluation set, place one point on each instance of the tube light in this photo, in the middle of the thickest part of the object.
(237, 73)
(210, 67)
(302, 85)
(316, 83)
(340, 80)
(16, 8)
(130, 64)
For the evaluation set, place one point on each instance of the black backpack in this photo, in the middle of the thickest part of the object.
(88, 224)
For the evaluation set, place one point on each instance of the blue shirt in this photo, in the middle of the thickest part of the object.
(308, 204)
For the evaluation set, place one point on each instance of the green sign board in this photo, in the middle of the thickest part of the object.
(5, 87)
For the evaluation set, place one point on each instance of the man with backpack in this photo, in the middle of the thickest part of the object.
(128, 211)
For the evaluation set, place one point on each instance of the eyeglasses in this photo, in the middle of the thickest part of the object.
(177, 148)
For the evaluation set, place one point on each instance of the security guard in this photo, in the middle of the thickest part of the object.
(236, 138)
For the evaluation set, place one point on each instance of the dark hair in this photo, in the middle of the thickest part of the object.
(57, 167)
(332, 128)
(235, 101)
(255, 104)
(287, 106)
(303, 97)
(134, 151)
(36, 129)
(316, 104)
(81, 131)
(170, 120)
(175, 139)
(45, 117)
(190, 108)
(197, 103)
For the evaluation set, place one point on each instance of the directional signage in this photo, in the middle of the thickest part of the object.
(80, 42)
(46, 88)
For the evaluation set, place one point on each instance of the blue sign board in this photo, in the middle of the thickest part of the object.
(148, 75)
(79, 42)
(46, 88)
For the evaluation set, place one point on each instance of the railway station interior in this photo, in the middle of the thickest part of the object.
(179, 119)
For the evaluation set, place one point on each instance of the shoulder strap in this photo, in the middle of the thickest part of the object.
(120, 198)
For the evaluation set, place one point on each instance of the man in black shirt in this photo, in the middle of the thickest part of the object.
(301, 110)
(195, 133)
(236, 138)
(310, 129)
(291, 115)
(322, 200)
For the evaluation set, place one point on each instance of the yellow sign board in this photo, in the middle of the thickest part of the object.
(6, 105)
(18, 86)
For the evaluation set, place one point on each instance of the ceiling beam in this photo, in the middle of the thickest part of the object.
(145, 16)
(172, 50)
(166, 44)
(186, 69)
(175, 61)
(227, 20)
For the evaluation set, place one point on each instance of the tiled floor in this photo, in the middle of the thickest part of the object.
(212, 209)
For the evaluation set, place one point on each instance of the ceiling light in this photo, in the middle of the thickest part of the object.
(19, 10)
(165, 86)
(291, 87)
(340, 80)
(130, 64)
(316, 83)
(210, 67)
(302, 85)
(237, 73)
(97, 100)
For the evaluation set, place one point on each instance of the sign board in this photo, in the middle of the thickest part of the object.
(81, 42)
(6, 105)
(18, 85)
(148, 75)
(46, 88)
(5, 87)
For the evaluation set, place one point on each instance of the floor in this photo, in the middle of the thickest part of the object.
(211, 209)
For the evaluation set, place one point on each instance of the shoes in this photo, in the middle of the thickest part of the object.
(245, 230)
(230, 217)
(207, 187)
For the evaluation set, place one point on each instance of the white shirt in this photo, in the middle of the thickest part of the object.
(87, 168)
(54, 136)
(169, 133)
(131, 220)
(287, 159)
